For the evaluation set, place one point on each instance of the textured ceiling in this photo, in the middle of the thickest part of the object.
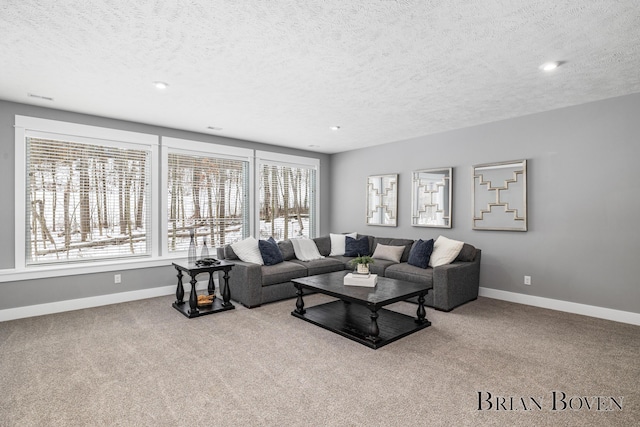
(283, 72)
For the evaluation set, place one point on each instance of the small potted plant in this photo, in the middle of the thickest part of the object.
(361, 263)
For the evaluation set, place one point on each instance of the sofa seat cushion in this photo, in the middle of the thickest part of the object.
(283, 272)
(345, 260)
(410, 273)
(379, 266)
(321, 266)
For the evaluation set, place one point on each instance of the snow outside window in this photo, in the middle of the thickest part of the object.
(86, 199)
(287, 196)
(207, 191)
(208, 195)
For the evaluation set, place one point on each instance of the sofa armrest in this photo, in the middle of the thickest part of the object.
(457, 283)
(245, 283)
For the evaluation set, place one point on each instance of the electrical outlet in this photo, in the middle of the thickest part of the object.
(527, 280)
(117, 278)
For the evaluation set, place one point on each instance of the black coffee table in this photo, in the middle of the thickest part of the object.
(358, 314)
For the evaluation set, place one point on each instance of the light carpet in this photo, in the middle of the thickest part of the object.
(144, 364)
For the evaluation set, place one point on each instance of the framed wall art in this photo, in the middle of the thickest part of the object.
(431, 198)
(382, 200)
(500, 196)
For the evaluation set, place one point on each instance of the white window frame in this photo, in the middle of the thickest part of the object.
(159, 147)
(188, 147)
(271, 158)
(33, 126)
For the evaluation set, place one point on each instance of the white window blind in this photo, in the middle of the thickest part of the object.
(208, 193)
(85, 200)
(287, 200)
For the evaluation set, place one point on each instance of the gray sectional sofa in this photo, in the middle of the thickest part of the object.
(453, 284)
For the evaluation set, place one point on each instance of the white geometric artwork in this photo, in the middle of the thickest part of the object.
(500, 196)
(382, 200)
(431, 198)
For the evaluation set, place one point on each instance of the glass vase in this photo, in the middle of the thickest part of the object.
(204, 252)
(191, 257)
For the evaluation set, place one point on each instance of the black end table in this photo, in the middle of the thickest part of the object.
(191, 309)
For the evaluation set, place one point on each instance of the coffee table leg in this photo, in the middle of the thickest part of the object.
(421, 313)
(180, 290)
(193, 297)
(212, 285)
(374, 331)
(299, 302)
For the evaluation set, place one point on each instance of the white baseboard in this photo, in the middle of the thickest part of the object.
(89, 302)
(569, 307)
(97, 301)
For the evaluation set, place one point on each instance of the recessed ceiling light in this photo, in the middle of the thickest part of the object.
(213, 128)
(160, 85)
(335, 128)
(549, 66)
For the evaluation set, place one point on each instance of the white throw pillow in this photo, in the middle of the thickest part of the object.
(248, 250)
(391, 253)
(338, 242)
(444, 251)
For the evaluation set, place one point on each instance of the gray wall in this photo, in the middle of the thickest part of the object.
(583, 241)
(31, 292)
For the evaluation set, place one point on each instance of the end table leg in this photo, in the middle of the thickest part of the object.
(212, 285)
(180, 290)
(299, 302)
(193, 297)
(226, 292)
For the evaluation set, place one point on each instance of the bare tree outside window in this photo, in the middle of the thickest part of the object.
(208, 195)
(285, 194)
(80, 201)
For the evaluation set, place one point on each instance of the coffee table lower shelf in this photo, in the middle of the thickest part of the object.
(353, 320)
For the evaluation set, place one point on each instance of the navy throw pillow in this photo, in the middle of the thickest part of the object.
(270, 252)
(356, 247)
(420, 253)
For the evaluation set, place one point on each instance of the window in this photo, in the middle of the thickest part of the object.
(92, 198)
(207, 191)
(287, 196)
(85, 198)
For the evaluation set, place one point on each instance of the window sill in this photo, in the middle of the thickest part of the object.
(47, 271)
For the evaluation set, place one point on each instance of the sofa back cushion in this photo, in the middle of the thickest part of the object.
(248, 250)
(270, 251)
(324, 245)
(229, 253)
(356, 247)
(445, 251)
(388, 252)
(390, 241)
(371, 241)
(286, 247)
(420, 253)
(338, 242)
(467, 253)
